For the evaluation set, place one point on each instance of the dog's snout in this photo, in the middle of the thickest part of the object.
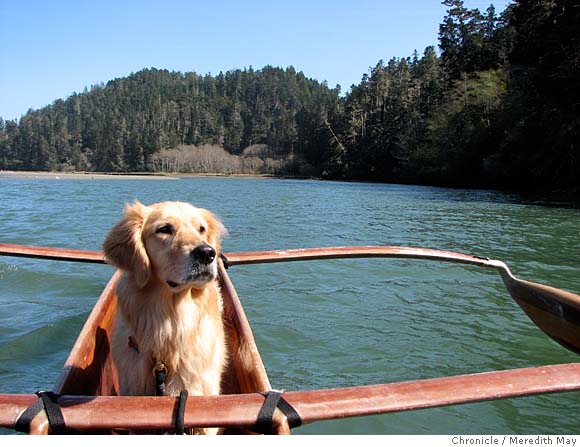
(204, 254)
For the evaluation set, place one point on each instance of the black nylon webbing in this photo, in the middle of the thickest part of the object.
(160, 376)
(24, 420)
(49, 402)
(275, 400)
(225, 261)
(294, 419)
(180, 413)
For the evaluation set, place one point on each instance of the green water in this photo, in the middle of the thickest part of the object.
(319, 324)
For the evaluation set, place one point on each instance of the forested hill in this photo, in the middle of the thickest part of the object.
(497, 106)
(118, 126)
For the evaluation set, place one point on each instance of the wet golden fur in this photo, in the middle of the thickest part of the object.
(169, 303)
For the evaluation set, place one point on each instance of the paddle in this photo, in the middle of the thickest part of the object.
(553, 310)
(58, 254)
(241, 410)
(259, 257)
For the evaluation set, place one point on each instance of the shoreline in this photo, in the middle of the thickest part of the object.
(58, 175)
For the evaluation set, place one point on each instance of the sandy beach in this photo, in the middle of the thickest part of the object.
(54, 175)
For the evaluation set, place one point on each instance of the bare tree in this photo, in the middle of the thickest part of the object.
(213, 159)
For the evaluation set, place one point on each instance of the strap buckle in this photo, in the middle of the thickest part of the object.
(160, 374)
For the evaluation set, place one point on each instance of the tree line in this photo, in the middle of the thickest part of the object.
(121, 125)
(497, 106)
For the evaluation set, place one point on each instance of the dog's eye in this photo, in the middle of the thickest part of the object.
(202, 229)
(166, 229)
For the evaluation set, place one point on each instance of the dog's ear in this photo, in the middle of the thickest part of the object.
(124, 246)
(215, 230)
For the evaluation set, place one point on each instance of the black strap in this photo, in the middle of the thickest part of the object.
(275, 400)
(225, 261)
(49, 402)
(160, 376)
(24, 420)
(180, 413)
(294, 419)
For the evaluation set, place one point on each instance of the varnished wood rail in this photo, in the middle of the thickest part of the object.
(90, 413)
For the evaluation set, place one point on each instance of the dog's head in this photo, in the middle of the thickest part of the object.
(170, 242)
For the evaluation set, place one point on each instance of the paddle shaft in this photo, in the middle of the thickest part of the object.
(56, 254)
(528, 295)
(260, 257)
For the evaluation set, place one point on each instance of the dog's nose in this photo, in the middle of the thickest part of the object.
(204, 254)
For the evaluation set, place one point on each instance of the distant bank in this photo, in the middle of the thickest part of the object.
(56, 175)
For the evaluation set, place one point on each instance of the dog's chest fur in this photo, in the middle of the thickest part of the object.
(184, 331)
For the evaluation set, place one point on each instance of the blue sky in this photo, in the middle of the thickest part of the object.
(52, 48)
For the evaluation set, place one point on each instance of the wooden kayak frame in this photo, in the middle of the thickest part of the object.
(554, 311)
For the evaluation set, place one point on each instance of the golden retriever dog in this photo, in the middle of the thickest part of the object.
(170, 310)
